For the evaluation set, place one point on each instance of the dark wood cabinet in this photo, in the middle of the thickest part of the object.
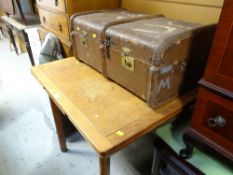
(220, 67)
(212, 120)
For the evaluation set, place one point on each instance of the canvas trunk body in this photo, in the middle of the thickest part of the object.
(88, 33)
(159, 58)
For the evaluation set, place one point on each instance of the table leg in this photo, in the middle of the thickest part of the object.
(1, 32)
(58, 118)
(28, 47)
(104, 163)
(12, 39)
(21, 11)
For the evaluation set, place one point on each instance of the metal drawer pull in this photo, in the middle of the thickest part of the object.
(56, 2)
(44, 19)
(60, 27)
(217, 121)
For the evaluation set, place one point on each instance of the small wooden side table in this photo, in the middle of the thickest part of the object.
(108, 116)
(14, 24)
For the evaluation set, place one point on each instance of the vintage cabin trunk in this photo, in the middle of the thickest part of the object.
(159, 58)
(88, 33)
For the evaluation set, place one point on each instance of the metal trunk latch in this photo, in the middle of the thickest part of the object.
(107, 46)
(127, 61)
(84, 39)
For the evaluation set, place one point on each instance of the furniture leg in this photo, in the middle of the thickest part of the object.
(165, 156)
(1, 35)
(21, 11)
(187, 152)
(156, 163)
(12, 39)
(104, 163)
(28, 47)
(31, 2)
(58, 118)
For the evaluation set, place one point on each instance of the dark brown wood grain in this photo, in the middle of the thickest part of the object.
(219, 70)
(212, 119)
(210, 105)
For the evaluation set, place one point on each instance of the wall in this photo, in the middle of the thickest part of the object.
(201, 11)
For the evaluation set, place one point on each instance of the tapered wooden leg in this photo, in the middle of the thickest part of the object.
(156, 163)
(1, 35)
(28, 47)
(104, 163)
(21, 11)
(58, 118)
(12, 39)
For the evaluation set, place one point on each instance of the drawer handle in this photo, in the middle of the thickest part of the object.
(218, 121)
(56, 2)
(60, 27)
(44, 19)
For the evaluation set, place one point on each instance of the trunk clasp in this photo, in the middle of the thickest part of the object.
(84, 38)
(127, 61)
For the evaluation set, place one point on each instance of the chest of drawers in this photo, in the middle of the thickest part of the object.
(212, 121)
(55, 15)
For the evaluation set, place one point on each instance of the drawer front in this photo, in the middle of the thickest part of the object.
(213, 117)
(66, 47)
(55, 22)
(58, 5)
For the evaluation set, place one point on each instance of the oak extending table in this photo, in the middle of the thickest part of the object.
(108, 116)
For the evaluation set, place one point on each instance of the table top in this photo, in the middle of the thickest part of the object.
(16, 22)
(106, 114)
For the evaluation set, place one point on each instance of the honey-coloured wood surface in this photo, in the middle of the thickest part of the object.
(58, 5)
(198, 11)
(107, 115)
(54, 21)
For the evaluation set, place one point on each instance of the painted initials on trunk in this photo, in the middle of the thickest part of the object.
(164, 83)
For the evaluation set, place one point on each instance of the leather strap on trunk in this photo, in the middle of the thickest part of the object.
(104, 46)
(73, 34)
(87, 13)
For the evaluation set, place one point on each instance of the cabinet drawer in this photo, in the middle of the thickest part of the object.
(53, 4)
(55, 22)
(213, 117)
(65, 45)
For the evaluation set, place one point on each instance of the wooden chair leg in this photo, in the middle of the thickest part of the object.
(164, 153)
(21, 11)
(104, 164)
(156, 163)
(12, 38)
(1, 34)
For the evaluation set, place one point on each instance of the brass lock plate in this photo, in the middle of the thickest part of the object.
(128, 63)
